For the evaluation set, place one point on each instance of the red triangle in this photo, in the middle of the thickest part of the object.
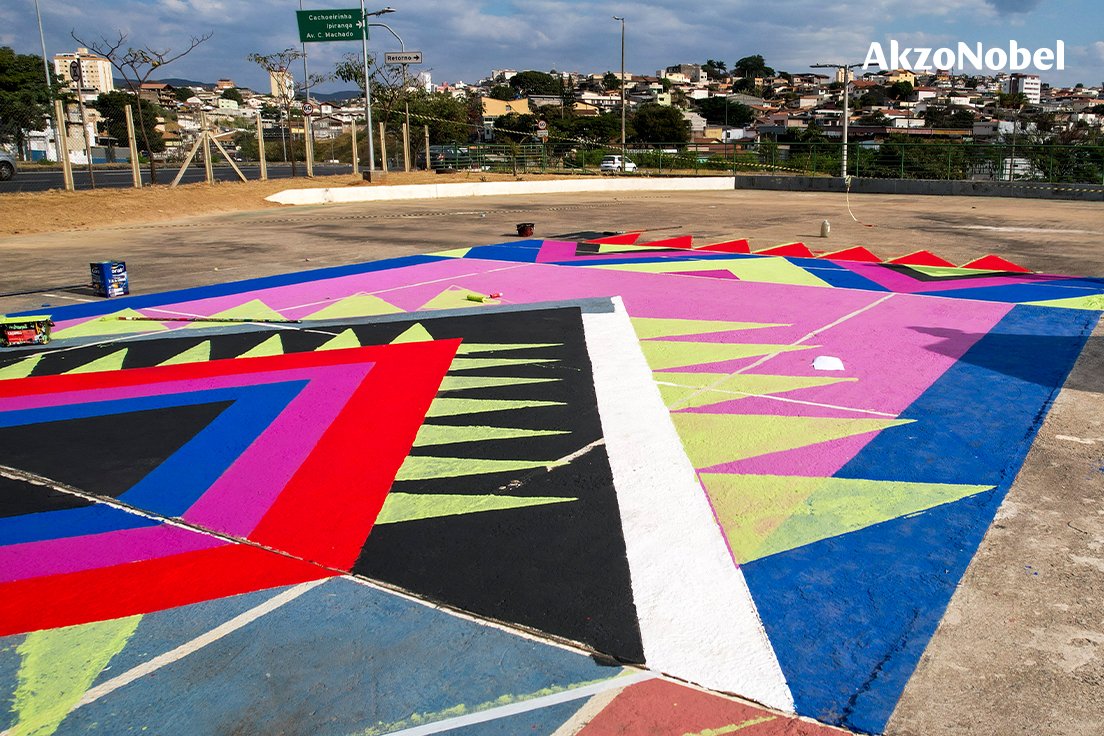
(623, 239)
(922, 258)
(794, 250)
(683, 241)
(995, 263)
(729, 246)
(857, 253)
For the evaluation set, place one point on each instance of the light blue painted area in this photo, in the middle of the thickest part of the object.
(541, 722)
(341, 659)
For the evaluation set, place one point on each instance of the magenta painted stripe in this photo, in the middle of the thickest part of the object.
(777, 407)
(16, 403)
(904, 284)
(556, 250)
(74, 554)
(236, 502)
(823, 459)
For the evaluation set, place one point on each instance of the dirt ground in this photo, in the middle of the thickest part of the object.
(24, 213)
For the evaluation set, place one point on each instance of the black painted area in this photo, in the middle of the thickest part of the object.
(19, 497)
(104, 455)
(921, 276)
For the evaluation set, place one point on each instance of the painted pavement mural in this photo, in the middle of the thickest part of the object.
(514, 489)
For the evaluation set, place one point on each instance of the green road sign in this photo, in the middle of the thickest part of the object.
(329, 25)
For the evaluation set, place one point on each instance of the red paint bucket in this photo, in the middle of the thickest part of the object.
(525, 229)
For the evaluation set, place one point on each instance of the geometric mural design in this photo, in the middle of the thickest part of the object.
(623, 465)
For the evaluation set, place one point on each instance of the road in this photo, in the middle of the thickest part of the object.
(32, 179)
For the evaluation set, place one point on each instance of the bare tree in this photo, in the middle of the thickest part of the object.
(137, 65)
(277, 65)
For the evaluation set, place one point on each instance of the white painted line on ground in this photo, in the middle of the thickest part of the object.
(201, 641)
(697, 618)
(525, 706)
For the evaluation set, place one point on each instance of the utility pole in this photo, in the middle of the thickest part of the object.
(308, 124)
(846, 68)
(60, 128)
(622, 19)
(368, 84)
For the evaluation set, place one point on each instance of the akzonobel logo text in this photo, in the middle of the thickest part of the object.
(1015, 58)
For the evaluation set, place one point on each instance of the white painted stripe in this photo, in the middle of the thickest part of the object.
(525, 705)
(697, 618)
(201, 641)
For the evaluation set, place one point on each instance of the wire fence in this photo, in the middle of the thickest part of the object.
(969, 161)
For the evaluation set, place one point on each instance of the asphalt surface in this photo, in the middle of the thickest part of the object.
(1016, 653)
(32, 179)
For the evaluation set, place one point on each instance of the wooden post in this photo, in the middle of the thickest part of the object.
(308, 144)
(356, 154)
(383, 148)
(63, 145)
(406, 147)
(261, 148)
(205, 137)
(429, 164)
(135, 171)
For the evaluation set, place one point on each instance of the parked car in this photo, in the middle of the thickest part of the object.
(613, 163)
(7, 166)
(442, 158)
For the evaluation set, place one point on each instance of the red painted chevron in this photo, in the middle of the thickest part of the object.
(921, 258)
(995, 263)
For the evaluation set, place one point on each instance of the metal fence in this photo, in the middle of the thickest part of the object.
(970, 161)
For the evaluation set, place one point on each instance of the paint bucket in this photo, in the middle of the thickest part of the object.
(525, 229)
(109, 278)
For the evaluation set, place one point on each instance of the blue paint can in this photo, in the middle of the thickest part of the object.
(109, 278)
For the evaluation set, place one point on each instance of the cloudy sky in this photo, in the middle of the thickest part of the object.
(465, 40)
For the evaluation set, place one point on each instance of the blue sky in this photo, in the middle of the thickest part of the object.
(465, 40)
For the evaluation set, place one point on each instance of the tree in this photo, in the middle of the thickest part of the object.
(24, 96)
(714, 69)
(232, 93)
(535, 83)
(744, 85)
(515, 127)
(611, 81)
(112, 106)
(446, 116)
(752, 66)
(183, 94)
(948, 116)
(1012, 100)
(660, 124)
(877, 117)
(899, 90)
(137, 65)
(502, 92)
(278, 63)
(720, 110)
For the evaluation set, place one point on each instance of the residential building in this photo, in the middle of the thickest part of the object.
(494, 109)
(158, 93)
(845, 75)
(224, 84)
(96, 73)
(281, 85)
(1028, 84)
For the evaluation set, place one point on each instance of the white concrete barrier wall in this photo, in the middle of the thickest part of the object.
(498, 188)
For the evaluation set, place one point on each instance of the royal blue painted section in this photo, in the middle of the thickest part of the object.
(850, 616)
(68, 523)
(340, 659)
(844, 278)
(976, 423)
(94, 309)
(1017, 293)
(505, 252)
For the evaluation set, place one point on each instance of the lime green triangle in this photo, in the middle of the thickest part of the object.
(112, 362)
(471, 348)
(649, 327)
(272, 346)
(455, 407)
(614, 248)
(471, 364)
(459, 383)
(766, 514)
(764, 269)
(198, 353)
(251, 310)
(455, 297)
(346, 339)
(1096, 301)
(950, 271)
(357, 305)
(414, 333)
(454, 253)
(689, 390)
(712, 439)
(418, 467)
(57, 668)
(664, 354)
(400, 507)
(20, 368)
(442, 434)
(110, 324)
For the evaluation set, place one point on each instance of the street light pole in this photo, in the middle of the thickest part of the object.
(846, 68)
(59, 128)
(368, 84)
(622, 19)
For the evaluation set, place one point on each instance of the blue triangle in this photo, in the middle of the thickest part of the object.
(850, 616)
